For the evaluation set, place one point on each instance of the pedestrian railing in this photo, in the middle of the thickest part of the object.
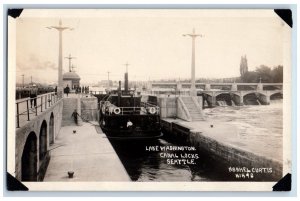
(32, 106)
(97, 92)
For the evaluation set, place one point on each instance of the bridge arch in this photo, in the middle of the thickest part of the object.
(51, 129)
(221, 92)
(275, 93)
(254, 92)
(224, 98)
(255, 98)
(43, 141)
(29, 159)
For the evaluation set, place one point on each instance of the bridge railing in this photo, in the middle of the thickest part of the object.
(24, 112)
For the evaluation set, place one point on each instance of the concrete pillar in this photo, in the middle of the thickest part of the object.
(213, 100)
(207, 87)
(162, 103)
(60, 80)
(259, 87)
(179, 86)
(241, 100)
(234, 87)
(268, 100)
(193, 84)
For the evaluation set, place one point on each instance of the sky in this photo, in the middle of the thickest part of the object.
(151, 41)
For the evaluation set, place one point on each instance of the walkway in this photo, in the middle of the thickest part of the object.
(88, 153)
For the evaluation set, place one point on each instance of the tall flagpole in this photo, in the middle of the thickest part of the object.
(60, 29)
(193, 35)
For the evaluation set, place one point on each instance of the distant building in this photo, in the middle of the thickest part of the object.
(72, 79)
(104, 83)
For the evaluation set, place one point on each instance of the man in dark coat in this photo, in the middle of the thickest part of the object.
(67, 90)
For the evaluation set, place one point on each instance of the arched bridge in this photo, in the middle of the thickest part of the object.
(231, 93)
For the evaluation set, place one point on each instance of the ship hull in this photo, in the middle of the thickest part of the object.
(144, 127)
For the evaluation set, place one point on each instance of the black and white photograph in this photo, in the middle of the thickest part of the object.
(149, 99)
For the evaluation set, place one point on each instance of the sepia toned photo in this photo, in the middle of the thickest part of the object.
(149, 99)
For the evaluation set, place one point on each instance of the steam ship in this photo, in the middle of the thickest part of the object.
(124, 116)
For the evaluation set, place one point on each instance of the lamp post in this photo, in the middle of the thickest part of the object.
(23, 80)
(193, 84)
(60, 29)
(108, 80)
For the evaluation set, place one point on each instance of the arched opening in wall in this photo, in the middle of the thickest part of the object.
(29, 159)
(251, 99)
(51, 129)
(276, 96)
(224, 99)
(43, 141)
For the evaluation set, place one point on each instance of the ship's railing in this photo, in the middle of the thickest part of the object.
(145, 108)
(25, 112)
(97, 92)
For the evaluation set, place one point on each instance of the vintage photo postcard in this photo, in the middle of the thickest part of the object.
(149, 99)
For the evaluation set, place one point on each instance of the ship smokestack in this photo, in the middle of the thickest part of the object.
(119, 94)
(126, 82)
(119, 86)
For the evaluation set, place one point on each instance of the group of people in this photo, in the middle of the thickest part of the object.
(83, 89)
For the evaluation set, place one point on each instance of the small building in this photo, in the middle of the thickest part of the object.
(72, 79)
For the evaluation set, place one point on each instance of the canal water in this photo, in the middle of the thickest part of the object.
(257, 123)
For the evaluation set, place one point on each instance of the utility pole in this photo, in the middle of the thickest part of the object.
(108, 79)
(193, 84)
(127, 64)
(60, 29)
(72, 68)
(23, 80)
(31, 79)
(70, 64)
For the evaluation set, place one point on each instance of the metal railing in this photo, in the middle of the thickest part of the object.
(97, 92)
(144, 107)
(40, 103)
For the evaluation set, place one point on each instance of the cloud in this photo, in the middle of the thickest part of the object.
(33, 63)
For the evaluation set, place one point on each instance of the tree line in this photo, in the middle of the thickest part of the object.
(264, 74)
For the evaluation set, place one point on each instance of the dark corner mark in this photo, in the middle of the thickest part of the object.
(284, 184)
(14, 12)
(285, 15)
(13, 184)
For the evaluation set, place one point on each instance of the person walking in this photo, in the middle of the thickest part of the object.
(75, 116)
(33, 95)
(67, 90)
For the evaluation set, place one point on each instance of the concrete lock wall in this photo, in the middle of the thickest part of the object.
(224, 154)
(35, 126)
(232, 155)
(89, 108)
(167, 107)
(171, 107)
